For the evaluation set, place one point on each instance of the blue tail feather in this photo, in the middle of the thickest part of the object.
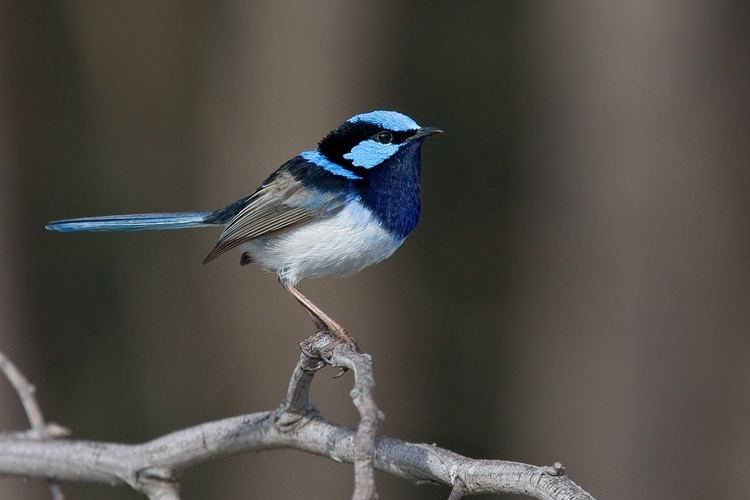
(134, 222)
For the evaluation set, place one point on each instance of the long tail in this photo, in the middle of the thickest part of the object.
(135, 222)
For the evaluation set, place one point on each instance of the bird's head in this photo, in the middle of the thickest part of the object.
(370, 140)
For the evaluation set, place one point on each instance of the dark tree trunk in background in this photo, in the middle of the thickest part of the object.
(591, 253)
(12, 328)
(635, 310)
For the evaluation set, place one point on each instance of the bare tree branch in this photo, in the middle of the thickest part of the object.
(458, 491)
(25, 391)
(347, 357)
(152, 467)
(158, 484)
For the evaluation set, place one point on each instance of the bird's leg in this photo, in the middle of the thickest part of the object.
(323, 321)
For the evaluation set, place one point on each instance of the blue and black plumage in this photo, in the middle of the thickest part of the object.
(331, 211)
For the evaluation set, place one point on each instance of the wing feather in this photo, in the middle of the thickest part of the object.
(281, 202)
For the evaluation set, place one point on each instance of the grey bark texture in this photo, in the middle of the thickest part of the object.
(153, 468)
(39, 430)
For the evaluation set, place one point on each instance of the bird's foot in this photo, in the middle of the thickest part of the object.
(324, 355)
(323, 323)
(312, 354)
(342, 337)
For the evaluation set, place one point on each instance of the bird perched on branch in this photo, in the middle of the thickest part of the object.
(330, 211)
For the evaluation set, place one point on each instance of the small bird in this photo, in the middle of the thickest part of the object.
(330, 211)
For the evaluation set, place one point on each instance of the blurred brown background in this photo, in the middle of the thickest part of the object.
(578, 288)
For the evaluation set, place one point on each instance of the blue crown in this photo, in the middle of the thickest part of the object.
(389, 120)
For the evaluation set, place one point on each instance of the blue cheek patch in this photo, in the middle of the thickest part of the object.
(369, 153)
(318, 159)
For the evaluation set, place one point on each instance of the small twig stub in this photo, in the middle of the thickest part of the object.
(26, 393)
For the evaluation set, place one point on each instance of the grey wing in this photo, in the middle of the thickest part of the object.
(277, 205)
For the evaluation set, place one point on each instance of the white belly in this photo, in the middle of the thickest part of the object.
(344, 244)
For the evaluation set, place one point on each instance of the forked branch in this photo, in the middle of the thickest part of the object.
(39, 430)
(154, 467)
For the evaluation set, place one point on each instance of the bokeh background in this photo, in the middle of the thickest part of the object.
(578, 289)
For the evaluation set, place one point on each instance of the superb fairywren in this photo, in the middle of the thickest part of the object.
(331, 211)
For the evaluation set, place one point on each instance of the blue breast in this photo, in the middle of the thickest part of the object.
(391, 190)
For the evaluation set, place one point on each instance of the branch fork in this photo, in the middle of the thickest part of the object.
(324, 349)
(153, 467)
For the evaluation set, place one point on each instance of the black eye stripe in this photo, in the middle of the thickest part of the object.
(341, 141)
(399, 137)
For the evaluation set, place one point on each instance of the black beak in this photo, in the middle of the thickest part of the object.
(425, 132)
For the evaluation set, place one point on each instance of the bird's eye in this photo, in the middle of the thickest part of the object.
(385, 137)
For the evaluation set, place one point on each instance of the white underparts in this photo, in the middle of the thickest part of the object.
(340, 245)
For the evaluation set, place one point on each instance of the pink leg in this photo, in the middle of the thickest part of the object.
(321, 319)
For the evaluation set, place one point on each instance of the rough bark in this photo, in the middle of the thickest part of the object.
(153, 468)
